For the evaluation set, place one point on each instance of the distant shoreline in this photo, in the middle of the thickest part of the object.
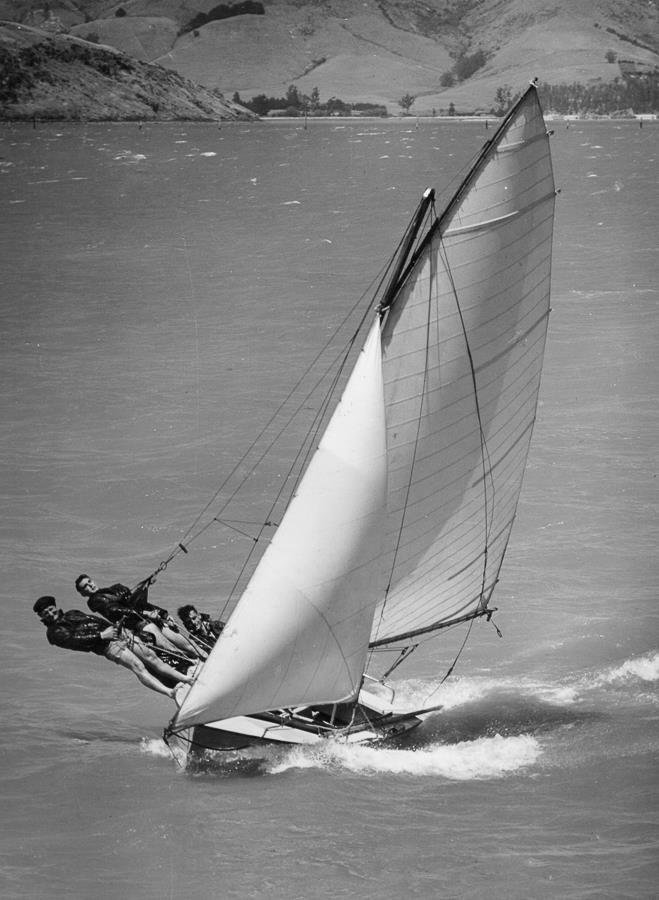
(549, 117)
(287, 120)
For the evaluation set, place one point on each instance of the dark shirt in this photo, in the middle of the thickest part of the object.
(119, 605)
(75, 630)
(113, 603)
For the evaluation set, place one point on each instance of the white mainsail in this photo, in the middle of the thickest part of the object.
(299, 634)
(463, 349)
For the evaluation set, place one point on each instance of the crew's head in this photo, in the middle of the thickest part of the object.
(187, 614)
(85, 585)
(46, 609)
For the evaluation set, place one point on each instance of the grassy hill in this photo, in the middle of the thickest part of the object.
(371, 50)
(54, 76)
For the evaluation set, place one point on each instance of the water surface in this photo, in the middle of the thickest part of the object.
(162, 287)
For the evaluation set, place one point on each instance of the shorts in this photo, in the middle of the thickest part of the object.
(115, 650)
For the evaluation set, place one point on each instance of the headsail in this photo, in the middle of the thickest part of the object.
(299, 634)
(463, 346)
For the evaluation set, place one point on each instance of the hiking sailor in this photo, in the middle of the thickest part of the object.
(200, 625)
(118, 603)
(76, 630)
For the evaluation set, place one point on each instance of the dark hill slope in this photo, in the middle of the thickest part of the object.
(59, 76)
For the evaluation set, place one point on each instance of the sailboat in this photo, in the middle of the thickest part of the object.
(398, 527)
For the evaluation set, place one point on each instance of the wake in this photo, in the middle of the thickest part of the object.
(484, 758)
(641, 669)
(489, 728)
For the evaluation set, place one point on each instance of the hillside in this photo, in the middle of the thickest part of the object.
(56, 76)
(378, 51)
(371, 50)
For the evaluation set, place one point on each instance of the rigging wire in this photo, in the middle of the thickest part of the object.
(404, 653)
(190, 534)
(298, 463)
(488, 507)
(450, 669)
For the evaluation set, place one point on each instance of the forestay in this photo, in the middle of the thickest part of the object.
(463, 346)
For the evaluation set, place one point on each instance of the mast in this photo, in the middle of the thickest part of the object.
(390, 292)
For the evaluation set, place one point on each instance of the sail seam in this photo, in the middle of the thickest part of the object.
(429, 585)
(522, 337)
(510, 449)
(469, 565)
(459, 456)
(457, 401)
(455, 445)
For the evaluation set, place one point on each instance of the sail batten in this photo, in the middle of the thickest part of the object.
(499, 220)
(514, 146)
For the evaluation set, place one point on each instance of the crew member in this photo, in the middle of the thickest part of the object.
(76, 630)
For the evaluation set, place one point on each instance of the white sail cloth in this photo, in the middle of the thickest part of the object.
(299, 634)
(463, 351)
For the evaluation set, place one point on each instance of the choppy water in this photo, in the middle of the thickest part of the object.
(160, 286)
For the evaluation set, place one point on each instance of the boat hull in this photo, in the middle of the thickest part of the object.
(248, 731)
(369, 722)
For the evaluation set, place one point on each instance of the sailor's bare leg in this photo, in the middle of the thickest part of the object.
(160, 639)
(148, 656)
(173, 641)
(129, 660)
(181, 641)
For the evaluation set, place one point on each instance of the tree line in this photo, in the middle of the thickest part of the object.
(636, 93)
(639, 93)
(296, 103)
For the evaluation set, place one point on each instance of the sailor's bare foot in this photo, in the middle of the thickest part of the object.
(179, 693)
